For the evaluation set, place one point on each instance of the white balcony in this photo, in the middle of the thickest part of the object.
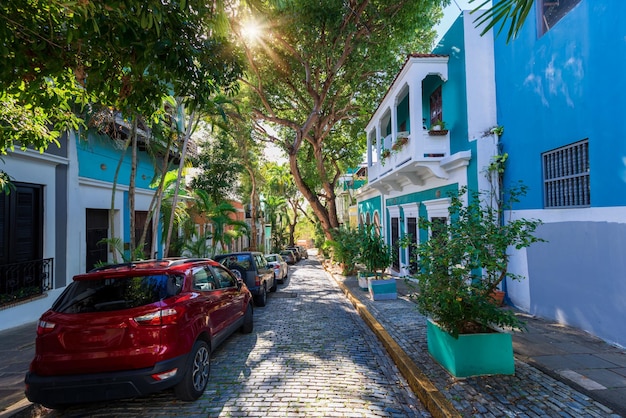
(421, 157)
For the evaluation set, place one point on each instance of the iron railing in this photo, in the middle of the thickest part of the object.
(26, 280)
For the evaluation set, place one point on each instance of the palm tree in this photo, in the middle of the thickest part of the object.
(219, 214)
(274, 208)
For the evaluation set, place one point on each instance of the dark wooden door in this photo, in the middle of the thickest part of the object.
(97, 229)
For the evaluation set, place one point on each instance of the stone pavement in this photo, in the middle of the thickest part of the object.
(560, 371)
(310, 355)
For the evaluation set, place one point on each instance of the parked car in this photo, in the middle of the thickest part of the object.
(303, 251)
(128, 330)
(255, 271)
(289, 256)
(296, 251)
(278, 263)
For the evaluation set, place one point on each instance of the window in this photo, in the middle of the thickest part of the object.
(114, 294)
(566, 176)
(223, 278)
(21, 224)
(551, 11)
(436, 110)
(438, 226)
(203, 280)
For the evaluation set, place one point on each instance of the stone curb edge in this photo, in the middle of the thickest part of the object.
(425, 390)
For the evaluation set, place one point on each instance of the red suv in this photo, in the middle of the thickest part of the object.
(131, 329)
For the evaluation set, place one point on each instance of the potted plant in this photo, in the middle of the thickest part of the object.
(375, 255)
(400, 142)
(438, 128)
(384, 153)
(460, 266)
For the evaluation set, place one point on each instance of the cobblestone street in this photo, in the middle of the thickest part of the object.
(310, 355)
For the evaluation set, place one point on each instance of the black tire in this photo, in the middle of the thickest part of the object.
(248, 320)
(239, 273)
(197, 374)
(261, 298)
(274, 285)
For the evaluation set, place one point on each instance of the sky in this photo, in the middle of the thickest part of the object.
(450, 14)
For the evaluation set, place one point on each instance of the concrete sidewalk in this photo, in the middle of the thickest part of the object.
(560, 371)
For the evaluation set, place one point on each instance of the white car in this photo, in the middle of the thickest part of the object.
(278, 263)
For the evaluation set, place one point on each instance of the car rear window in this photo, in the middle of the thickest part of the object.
(111, 294)
(271, 258)
(239, 260)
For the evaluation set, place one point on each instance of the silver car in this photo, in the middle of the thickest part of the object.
(281, 269)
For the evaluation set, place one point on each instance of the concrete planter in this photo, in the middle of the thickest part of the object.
(471, 354)
(384, 289)
(363, 275)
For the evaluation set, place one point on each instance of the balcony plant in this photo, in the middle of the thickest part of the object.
(400, 142)
(438, 128)
(460, 266)
(385, 153)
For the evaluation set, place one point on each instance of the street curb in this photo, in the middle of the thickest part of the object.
(425, 390)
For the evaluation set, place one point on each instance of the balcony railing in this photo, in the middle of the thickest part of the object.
(22, 281)
(420, 148)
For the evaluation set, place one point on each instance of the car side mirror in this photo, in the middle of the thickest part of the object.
(239, 283)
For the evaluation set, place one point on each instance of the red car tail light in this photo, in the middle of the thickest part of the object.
(44, 327)
(165, 375)
(257, 281)
(161, 317)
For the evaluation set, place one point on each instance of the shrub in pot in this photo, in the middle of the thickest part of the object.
(374, 253)
(466, 259)
(345, 248)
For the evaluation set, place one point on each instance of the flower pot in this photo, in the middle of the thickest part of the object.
(438, 132)
(497, 297)
(382, 289)
(471, 354)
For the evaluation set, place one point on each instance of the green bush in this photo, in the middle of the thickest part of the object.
(374, 253)
(345, 248)
(466, 259)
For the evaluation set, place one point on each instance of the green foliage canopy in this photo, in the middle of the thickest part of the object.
(60, 55)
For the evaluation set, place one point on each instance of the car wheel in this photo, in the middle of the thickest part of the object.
(274, 285)
(197, 374)
(248, 321)
(261, 298)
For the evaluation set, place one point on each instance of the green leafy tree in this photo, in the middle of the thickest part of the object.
(218, 169)
(315, 74)
(59, 56)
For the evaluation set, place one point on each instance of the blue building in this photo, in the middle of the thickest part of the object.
(557, 90)
(560, 94)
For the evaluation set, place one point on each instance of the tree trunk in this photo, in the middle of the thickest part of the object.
(327, 221)
(254, 199)
(132, 186)
(113, 190)
(188, 132)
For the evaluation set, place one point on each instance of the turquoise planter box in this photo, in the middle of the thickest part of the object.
(471, 354)
(382, 289)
